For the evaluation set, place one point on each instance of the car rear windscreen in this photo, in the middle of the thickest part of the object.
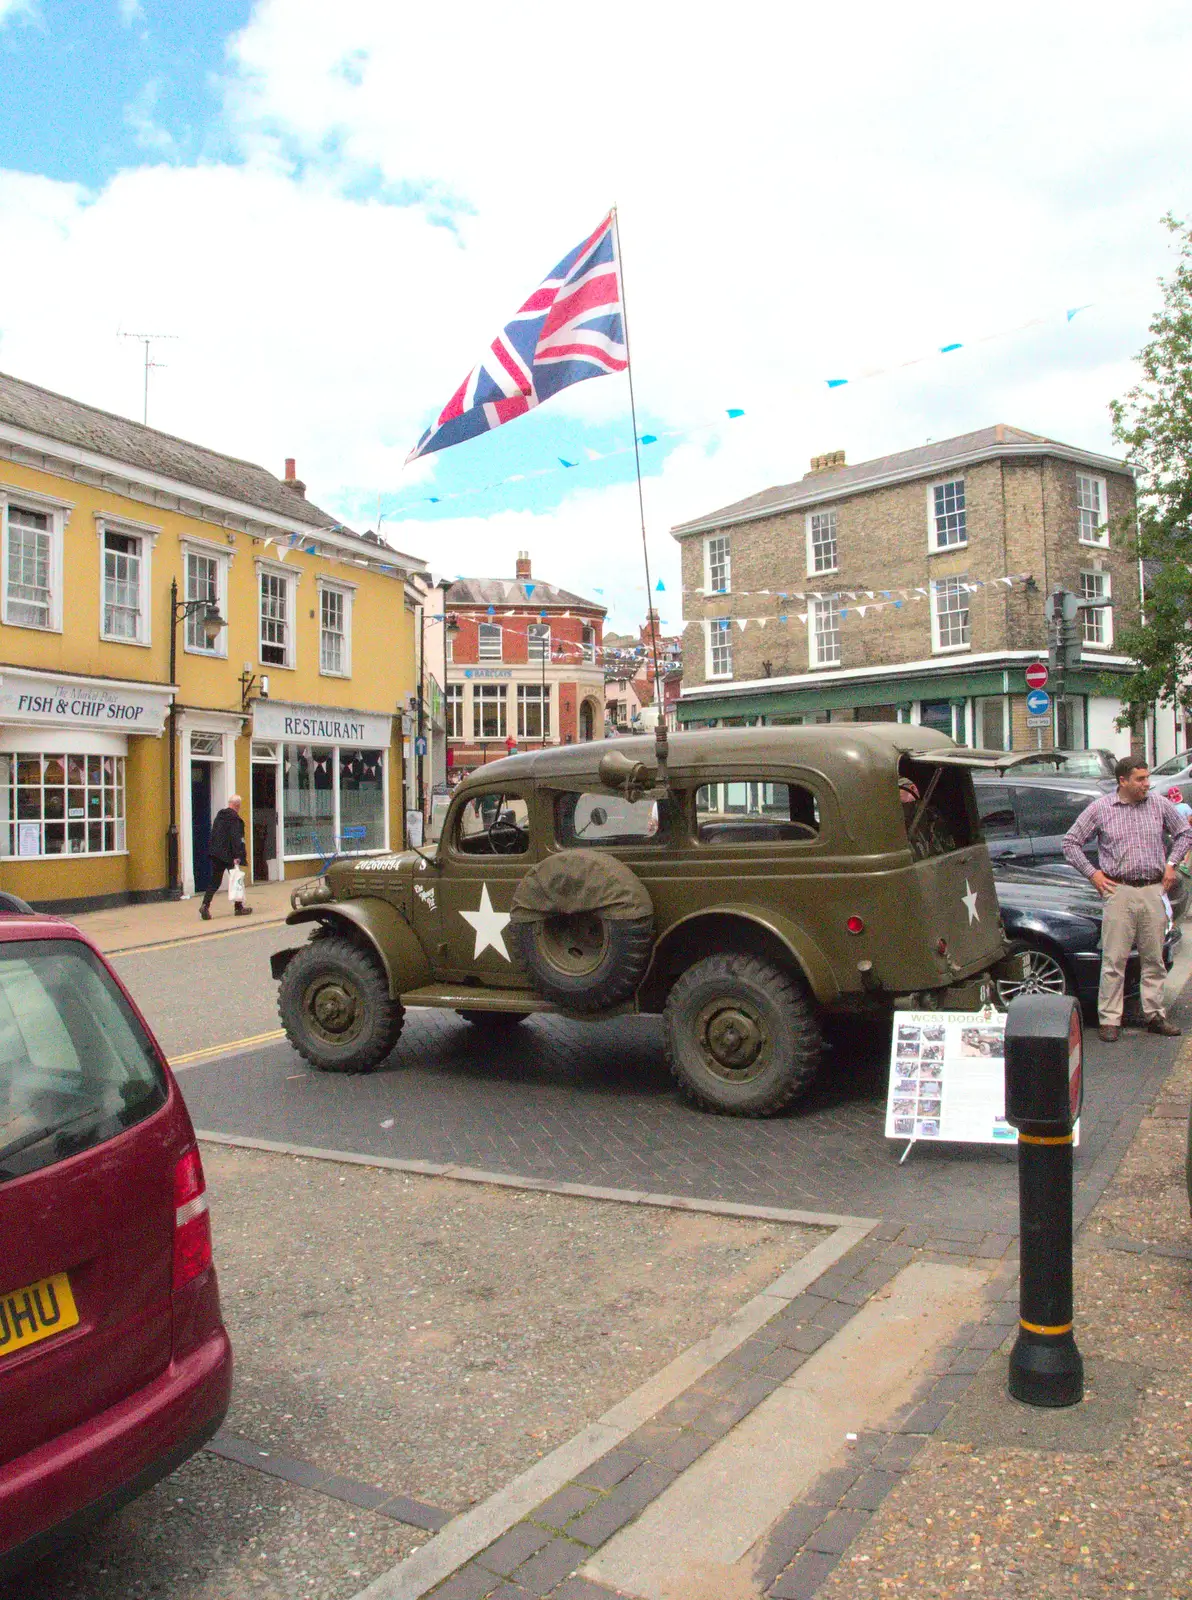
(76, 1067)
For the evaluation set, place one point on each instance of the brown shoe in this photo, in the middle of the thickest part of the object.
(205, 913)
(1109, 1033)
(243, 911)
(1159, 1024)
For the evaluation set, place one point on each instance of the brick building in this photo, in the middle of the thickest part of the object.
(523, 667)
(629, 670)
(911, 588)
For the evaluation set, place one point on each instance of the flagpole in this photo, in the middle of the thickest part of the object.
(660, 727)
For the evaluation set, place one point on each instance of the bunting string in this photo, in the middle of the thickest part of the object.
(860, 600)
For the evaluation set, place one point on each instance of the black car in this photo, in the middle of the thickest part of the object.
(1053, 919)
(1024, 821)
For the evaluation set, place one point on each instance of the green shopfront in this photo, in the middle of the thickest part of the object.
(980, 702)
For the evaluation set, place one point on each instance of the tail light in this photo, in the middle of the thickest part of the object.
(855, 925)
(192, 1223)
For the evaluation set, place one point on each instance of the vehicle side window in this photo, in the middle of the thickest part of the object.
(493, 824)
(601, 820)
(755, 811)
(1050, 811)
(996, 811)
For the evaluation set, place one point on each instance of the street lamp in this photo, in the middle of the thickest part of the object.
(450, 629)
(212, 624)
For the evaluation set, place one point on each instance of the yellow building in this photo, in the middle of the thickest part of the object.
(125, 550)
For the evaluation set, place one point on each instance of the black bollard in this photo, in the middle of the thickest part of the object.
(1044, 1089)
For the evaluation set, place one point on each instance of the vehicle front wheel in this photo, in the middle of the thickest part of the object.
(336, 1007)
(1039, 972)
(741, 1036)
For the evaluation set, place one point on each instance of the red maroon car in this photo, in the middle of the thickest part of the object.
(114, 1362)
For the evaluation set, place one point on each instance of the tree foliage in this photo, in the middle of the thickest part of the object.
(1154, 422)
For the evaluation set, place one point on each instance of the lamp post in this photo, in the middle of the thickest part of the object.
(212, 623)
(450, 629)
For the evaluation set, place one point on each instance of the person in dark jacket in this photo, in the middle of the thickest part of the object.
(227, 849)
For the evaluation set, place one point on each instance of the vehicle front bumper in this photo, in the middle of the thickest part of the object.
(55, 1492)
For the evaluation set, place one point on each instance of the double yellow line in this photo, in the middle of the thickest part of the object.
(191, 1056)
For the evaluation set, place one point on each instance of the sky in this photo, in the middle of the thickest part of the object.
(331, 210)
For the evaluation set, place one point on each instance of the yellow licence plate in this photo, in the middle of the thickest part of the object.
(38, 1311)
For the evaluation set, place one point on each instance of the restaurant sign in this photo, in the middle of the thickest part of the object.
(296, 724)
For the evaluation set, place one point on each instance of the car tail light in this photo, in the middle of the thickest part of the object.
(192, 1223)
(941, 948)
(855, 925)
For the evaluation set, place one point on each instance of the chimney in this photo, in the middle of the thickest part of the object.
(523, 566)
(293, 481)
(826, 463)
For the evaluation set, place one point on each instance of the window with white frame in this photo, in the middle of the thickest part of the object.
(1091, 513)
(821, 541)
(490, 641)
(950, 614)
(125, 585)
(205, 581)
(61, 803)
(718, 568)
(720, 647)
(1096, 625)
(538, 641)
(488, 711)
(335, 635)
(949, 517)
(533, 711)
(276, 618)
(453, 700)
(32, 567)
(589, 642)
(824, 631)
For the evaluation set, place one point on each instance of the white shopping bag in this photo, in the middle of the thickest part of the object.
(236, 885)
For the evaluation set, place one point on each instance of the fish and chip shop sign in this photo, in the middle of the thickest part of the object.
(273, 719)
(32, 700)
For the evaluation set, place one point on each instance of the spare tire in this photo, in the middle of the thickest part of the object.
(582, 924)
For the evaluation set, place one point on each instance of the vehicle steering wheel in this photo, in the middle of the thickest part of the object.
(505, 838)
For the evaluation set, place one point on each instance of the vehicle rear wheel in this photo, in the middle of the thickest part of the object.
(336, 1007)
(1041, 973)
(741, 1036)
(493, 1022)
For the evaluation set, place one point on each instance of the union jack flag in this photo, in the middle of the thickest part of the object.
(571, 328)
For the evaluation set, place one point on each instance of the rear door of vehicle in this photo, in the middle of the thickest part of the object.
(1046, 814)
(86, 1220)
(1004, 838)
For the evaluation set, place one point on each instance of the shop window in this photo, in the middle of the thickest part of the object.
(309, 799)
(488, 711)
(276, 619)
(125, 585)
(361, 800)
(533, 711)
(991, 723)
(61, 804)
(335, 653)
(32, 567)
(593, 821)
(206, 583)
(752, 811)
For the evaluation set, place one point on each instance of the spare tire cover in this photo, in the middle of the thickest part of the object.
(581, 880)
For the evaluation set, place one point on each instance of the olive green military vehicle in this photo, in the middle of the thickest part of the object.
(745, 883)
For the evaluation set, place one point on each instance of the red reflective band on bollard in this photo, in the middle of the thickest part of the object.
(1075, 1065)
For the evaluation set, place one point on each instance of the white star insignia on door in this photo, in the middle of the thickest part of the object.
(969, 901)
(489, 925)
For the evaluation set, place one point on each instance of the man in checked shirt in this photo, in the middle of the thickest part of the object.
(1136, 870)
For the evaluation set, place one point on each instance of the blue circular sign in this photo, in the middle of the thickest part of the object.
(1038, 702)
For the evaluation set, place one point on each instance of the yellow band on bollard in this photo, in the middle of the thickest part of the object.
(1036, 1327)
(1059, 1138)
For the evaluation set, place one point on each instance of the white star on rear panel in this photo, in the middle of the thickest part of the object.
(488, 925)
(969, 901)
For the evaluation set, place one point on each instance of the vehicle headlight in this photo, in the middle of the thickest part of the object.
(311, 894)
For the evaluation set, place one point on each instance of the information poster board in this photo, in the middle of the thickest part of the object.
(948, 1077)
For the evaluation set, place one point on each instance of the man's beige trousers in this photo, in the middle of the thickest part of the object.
(1132, 917)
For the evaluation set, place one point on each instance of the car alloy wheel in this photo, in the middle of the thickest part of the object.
(1042, 973)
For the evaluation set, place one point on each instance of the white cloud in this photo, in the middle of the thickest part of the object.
(130, 11)
(17, 8)
(803, 194)
(139, 115)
